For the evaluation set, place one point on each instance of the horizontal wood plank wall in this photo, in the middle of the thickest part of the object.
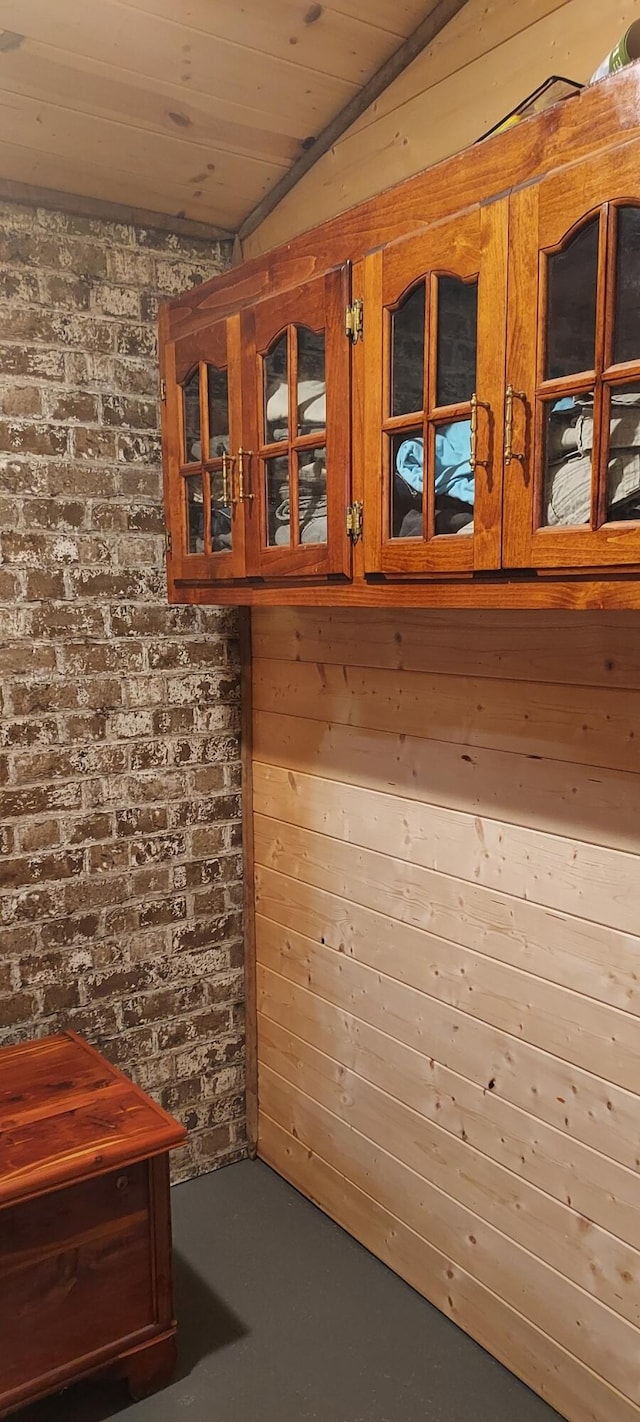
(481, 65)
(448, 965)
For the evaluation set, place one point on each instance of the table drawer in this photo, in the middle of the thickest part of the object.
(75, 1274)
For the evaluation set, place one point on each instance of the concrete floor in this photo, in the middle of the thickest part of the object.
(284, 1318)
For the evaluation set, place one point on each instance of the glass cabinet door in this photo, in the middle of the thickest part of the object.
(207, 509)
(297, 431)
(435, 321)
(572, 490)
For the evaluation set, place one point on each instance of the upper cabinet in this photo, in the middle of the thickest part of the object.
(435, 312)
(419, 397)
(257, 440)
(298, 430)
(203, 437)
(572, 457)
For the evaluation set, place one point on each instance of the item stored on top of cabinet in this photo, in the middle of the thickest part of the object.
(85, 1224)
(433, 399)
(552, 91)
(624, 52)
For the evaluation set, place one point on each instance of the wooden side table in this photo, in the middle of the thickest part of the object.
(85, 1224)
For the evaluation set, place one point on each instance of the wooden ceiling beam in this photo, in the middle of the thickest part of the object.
(438, 18)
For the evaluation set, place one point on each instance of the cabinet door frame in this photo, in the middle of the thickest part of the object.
(469, 246)
(545, 218)
(317, 305)
(218, 345)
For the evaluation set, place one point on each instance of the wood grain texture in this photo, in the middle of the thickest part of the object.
(205, 109)
(84, 1207)
(480, 67)
(67, 1114)
(503, 595)
(604, 117)
(446, 874)
(532, 1354)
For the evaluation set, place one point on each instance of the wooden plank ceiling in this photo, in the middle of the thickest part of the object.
(192, 108)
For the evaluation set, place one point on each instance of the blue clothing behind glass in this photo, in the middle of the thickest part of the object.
(454, 475)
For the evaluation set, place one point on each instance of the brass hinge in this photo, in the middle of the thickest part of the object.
(163, 390)
(354, 321)
(354, 521)
(167, 541)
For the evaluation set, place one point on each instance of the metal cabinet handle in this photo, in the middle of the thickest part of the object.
(242, 455)
(473, 458)
(509, 452)
(227, 471)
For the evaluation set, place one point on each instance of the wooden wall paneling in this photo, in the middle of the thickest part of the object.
(579, 1176)
(571, 876)
(596, 649)
(573, 723)
(447, 959)
(585, 802)
(580, 1103)
(153, 190)
(584, 957)
(591, 1332)
(484, 63)
(550, 1230)
(208, 110)
(593, 1035)
(538, 1359)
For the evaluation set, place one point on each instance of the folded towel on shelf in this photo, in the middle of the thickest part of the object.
(312, 403)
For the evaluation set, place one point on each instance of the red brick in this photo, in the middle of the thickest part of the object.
(44, 585)
(32, 438)
(15, 873)
(40, 799)
(121, 411)
(21, 400)
(91, 827)
(91, 745)
(17, 1007)
(141, 820)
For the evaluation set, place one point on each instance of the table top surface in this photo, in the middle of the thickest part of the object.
(66, 1114)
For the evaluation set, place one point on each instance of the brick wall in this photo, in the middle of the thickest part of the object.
(120, 871)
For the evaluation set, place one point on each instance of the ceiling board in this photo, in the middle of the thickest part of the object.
(343, 46)
(208, 179)
(200, 106)
(39, 72)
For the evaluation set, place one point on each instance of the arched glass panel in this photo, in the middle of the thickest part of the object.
(218, 401)
(312, 403)
(572, 283)
(626, 341)
(407, 344)
(276, 391)
(191, 405)
(457, 340)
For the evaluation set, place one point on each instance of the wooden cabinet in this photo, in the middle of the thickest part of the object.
(434, 393)
(205, 513)
(572, 465)
(258, 419)
(85, 1224)
(478, 435)
(297, 427)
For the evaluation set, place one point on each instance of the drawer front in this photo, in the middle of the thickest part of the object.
(75, 1274)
